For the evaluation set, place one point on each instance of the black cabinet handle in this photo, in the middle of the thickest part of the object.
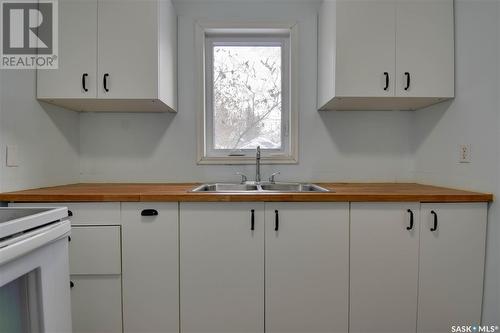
(84, 82)
(105, 82)
(434, 228)
(69, 238)
(149, 212)
(252, 220)
(386, 81)
(407, 74)
(276, 220)
(70, 213)
(411, 219)
(71, 284)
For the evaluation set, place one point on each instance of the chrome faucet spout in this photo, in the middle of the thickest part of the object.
(257, 165)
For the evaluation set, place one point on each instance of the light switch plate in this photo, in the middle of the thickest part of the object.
(12, 157)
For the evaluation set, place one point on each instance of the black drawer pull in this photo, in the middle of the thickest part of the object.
(69, 238)
(434, 228)
(386, 74)
(411, 219)
(276, 220)
(71, 284)
(70, 213)
(149, 212)
(84, 82)
(252, 222)
(407, 74)
(105, 82)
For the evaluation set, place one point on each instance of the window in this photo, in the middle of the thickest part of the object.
(247, 96)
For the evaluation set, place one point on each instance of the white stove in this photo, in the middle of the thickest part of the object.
(34, 270)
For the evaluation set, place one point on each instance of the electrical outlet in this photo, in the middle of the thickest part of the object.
(465, 154)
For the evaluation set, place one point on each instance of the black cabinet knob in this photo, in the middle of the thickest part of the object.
(71, 284)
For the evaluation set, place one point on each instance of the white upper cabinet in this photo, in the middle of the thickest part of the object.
(385, 55)
(128, 68)
(76, 77)
(365, 50)
(425, 63)
(115, 55)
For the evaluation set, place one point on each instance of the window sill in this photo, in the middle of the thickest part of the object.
(230, 160)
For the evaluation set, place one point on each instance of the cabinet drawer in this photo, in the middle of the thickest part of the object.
(84, 213)
(95, 250)
(96, 304)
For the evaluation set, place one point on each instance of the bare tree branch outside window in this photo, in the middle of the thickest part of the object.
(247, 97)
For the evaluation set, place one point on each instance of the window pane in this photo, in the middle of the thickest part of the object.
(247, 97)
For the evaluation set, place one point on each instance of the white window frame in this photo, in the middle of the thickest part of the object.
(260, 33)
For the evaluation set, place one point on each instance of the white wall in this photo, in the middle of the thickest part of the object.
(333, 146)
(472, 118)
(46, 136)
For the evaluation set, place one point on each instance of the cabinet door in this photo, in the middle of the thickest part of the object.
(128, 48)
(96, 304)
(222, 270)
(384, 267)
(425, 48)
(150, 267)
(451, 265)
(365, 48)
(307, 267)
(103, 257)
(77, 53)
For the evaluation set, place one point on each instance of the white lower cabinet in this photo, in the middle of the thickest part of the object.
(307, 267)
(292, 269)
(95, 250)
(96, 304)
(96, 285)
(384, 267)
(423, 280)
(452, 249)
(150, 267)
(275, 267)
(222, 267)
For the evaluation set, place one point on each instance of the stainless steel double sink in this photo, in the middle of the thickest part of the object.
(259, 188)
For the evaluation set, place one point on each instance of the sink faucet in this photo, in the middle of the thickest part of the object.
(257, 165)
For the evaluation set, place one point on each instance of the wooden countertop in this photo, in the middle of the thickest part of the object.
(360, 192)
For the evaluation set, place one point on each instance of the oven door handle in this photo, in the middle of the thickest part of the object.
(30, 241)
